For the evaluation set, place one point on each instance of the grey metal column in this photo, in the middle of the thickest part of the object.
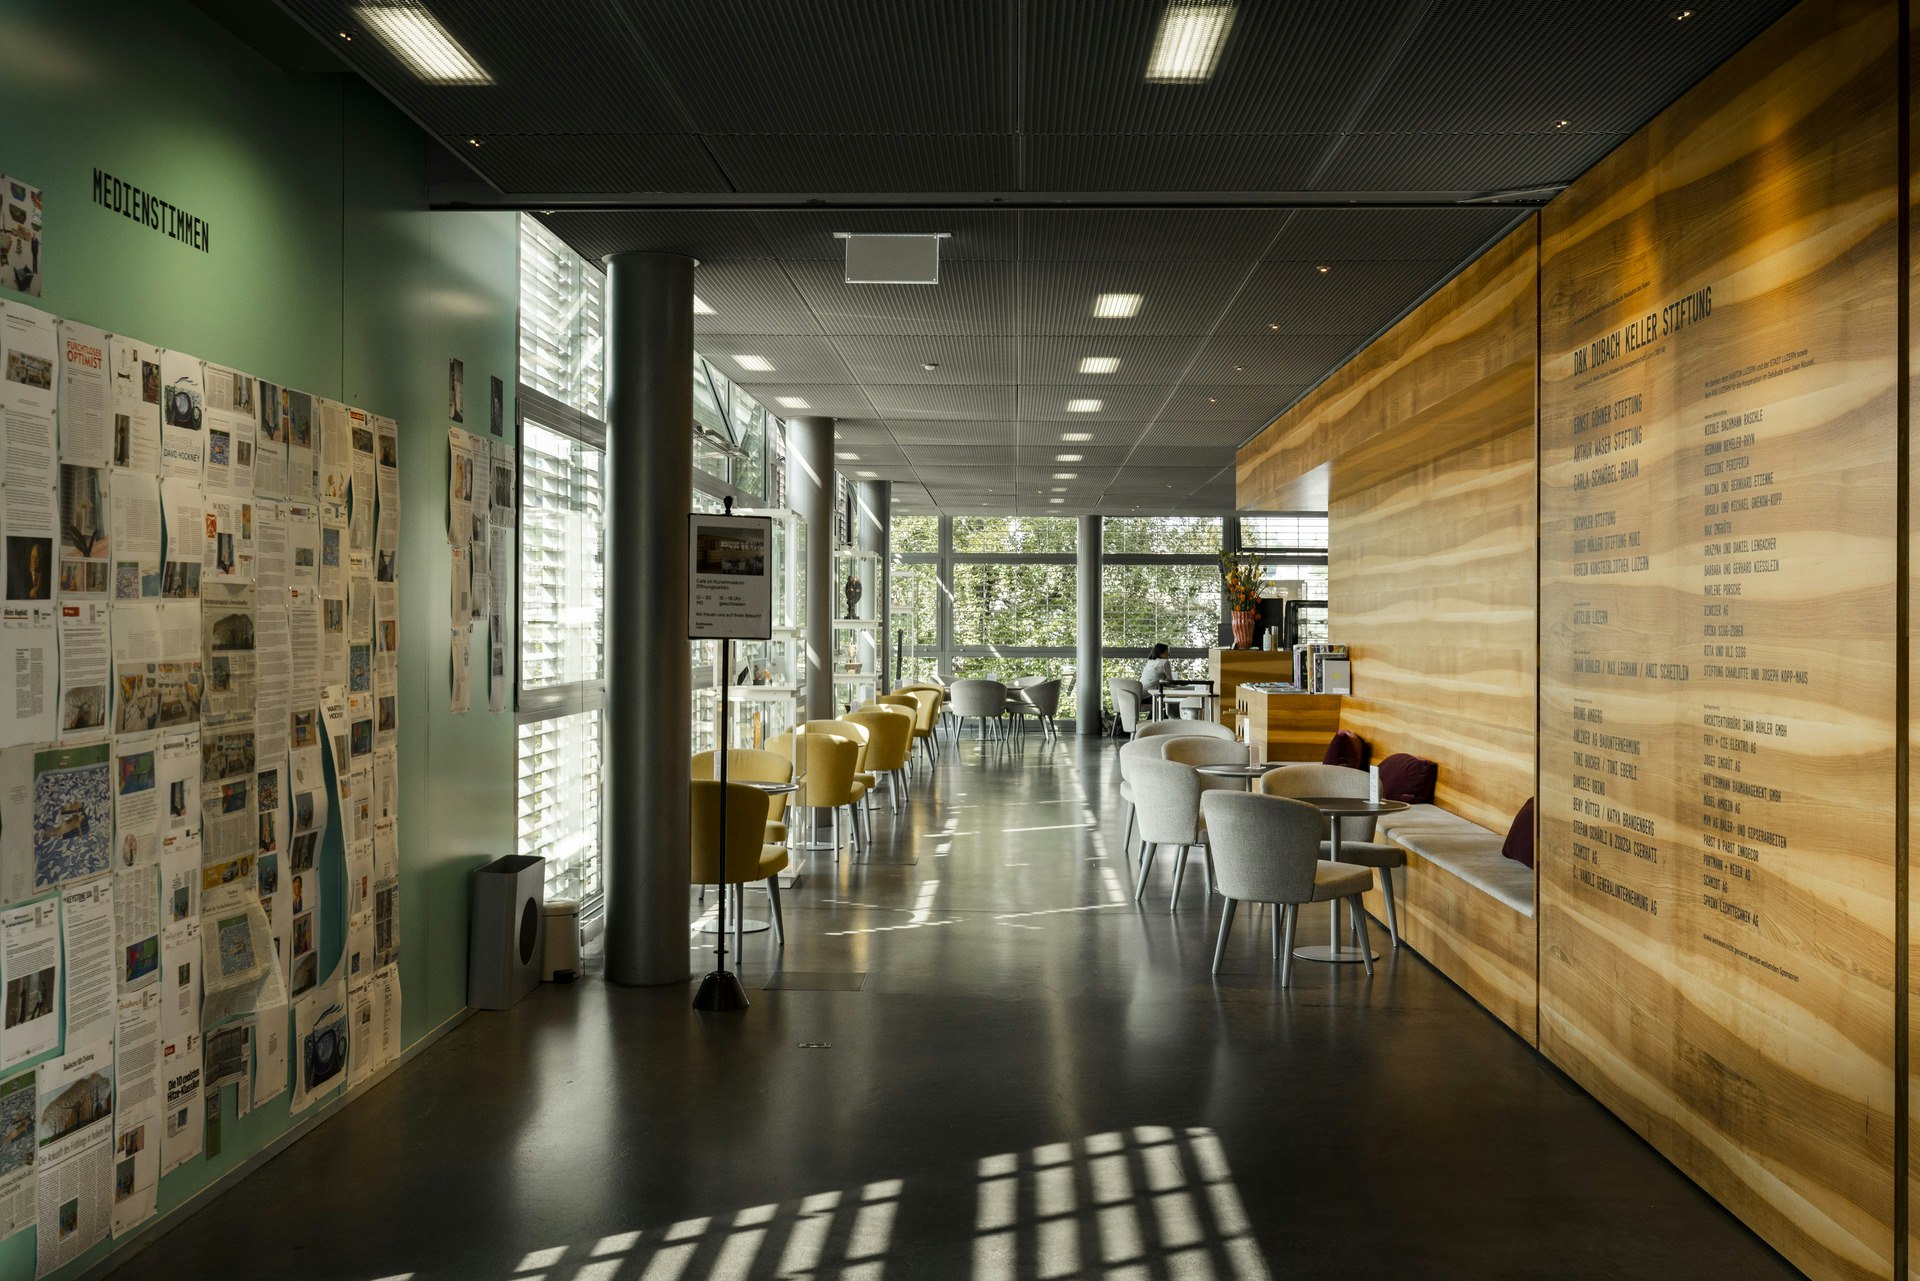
(648, 668)
(1088, 686)
(810, 488)
(876, 535)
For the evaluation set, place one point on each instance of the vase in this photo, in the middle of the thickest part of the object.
(1243, 621)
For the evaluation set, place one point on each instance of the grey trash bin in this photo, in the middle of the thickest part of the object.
(503, 941)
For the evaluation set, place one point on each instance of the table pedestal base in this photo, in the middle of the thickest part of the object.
(1336, 955)
(753, 926)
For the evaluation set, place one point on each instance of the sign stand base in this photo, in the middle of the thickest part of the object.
(720, 993)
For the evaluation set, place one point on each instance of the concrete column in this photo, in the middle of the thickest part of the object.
(649, 714)
(1089, 687)
(876, 535)
(810, 488)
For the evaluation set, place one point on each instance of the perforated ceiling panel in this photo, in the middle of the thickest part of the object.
(745, 133)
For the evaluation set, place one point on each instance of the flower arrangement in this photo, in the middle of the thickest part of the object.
(1241, 571)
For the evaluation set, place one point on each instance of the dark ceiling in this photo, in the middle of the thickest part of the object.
(1345, 159)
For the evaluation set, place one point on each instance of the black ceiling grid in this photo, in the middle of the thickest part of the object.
(1027, 132)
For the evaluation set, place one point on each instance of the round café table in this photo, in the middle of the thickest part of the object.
(749, 924)
(1175, 691)
(1247, 773)
(1335, 808)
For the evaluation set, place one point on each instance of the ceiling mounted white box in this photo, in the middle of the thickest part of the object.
(892, 259)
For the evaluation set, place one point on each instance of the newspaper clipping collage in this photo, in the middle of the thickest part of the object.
(201, 575)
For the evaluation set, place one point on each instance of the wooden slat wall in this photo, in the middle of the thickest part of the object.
(1425, 442)
(1728, 986)
(1431, 582)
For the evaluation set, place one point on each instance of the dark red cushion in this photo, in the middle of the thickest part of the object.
(1519, 846)
(1408, 778)
(1347, 748)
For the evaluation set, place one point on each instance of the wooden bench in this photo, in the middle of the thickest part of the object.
(1468, 909)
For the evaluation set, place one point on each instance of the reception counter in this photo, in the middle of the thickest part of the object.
(1292, 726)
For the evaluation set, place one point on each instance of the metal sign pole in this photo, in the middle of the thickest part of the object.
(721, 991)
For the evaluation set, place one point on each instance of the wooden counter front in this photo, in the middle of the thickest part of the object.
(1293, 727)
(1228, 668)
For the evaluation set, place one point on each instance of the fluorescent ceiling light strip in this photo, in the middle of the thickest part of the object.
(1116, 306)
(700, 308)
(793, 402)
(758, 364)
(1099, 364)
(416, 38)
(1186, 49)
(1083, 406)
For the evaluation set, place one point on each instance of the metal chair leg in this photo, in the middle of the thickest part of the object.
(779, 921)
(1393, 912)
(739, 923)
(1291, 915)
(1146, 865)
(1179, 870)
(1226, 927)
(1126, 841)
(1359, 912)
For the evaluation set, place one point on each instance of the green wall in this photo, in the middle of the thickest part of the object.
(327, 274)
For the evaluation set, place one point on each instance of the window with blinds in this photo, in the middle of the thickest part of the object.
(560, 801)
(562, 562)
(562, 325)
(562, 558)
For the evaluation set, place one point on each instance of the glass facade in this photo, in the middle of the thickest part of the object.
(560, 705)
(996, 596)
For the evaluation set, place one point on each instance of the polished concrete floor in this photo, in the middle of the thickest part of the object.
(977, 1058)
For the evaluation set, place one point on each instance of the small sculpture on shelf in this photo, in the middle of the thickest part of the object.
(854, 591)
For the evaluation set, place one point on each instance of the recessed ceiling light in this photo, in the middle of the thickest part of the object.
(930, 365)
(1117, 306)
(1069, 458)
(1681, 15)
(1561, 124)
(847, 456)
(1187, 47)
(1066, 475)
(1084, 406)
(1099, 364)
(1323, 269)
(758, 364)
(1056, 500)
(793, 402)
(1212, 401)
(1275, 328)
(866, 475)
(1076, 437)
(345, 36)
(1239, 369)
(700, 308)
(473, 142)
(1059, 489)
(416, 38)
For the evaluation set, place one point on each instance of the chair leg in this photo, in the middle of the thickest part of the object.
(1147, 851)
(779, 921)
(1127, 840)
(1291, 914)
(1206, 865)
(1359, 913)
(1226, 927)
(1275, 923)
(739, 923)
(1393, 913)
(1179, 870)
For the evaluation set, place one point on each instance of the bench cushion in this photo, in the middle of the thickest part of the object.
(1465, 849)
